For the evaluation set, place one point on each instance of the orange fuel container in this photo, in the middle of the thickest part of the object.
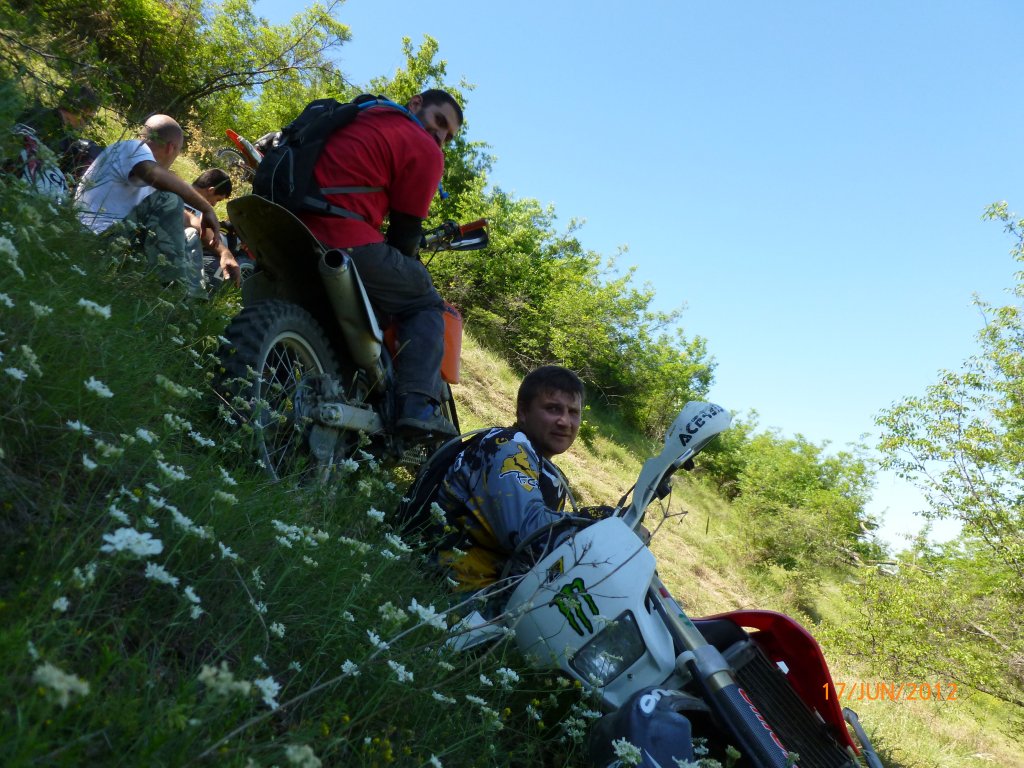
(451, 361)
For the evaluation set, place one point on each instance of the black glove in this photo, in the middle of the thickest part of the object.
(598, 512)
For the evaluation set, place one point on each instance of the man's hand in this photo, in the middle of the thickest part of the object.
(229, 264)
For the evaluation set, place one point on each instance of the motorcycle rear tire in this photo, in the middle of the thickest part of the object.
(284, 344)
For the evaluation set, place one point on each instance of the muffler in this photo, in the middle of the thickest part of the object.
(353, 312)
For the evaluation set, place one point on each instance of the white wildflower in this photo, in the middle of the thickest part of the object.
(40, 310)
(260, 606)
(149, 522)
(108, 451)
(392, 614)
(131, 541)
(226, 552)
(84, 577)
(310, 561)
(31, 359)
(98, 388)
(403, 675)
(375, 514)
(160, 574)
(507, 677)
(118, 515)
(442, 698)
(268, 688)
(170, 471)
(628, 753)
(92, 308)
(350, 668)
(375, 640)
(447, 667)
(195, 612)
(145, 435)
(176, 422)
(60, 682)
(6, 301)
(228, 479)
(16, 373)
(220, 682)
(387, 554)
(302, 755)
(228, 498)
(475, 700)
(260, 662)
(277, 628)
(61, 604)
(32, 652)
(347, 616)
(396, 543)
(205, 442)
(485, 680)
(428, 615)
(348, 465)
(295, 664)
(77, 426)
(191, 596)
(77, 269)
(88, 463)
(435, 763)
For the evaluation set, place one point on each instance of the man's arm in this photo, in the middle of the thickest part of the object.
(157, 176)
(404, 232)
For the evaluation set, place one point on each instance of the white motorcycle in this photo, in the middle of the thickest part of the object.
(595, 608)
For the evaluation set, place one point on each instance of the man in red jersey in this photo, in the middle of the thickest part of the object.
(394, 159)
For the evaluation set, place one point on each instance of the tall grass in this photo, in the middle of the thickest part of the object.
(162, 603)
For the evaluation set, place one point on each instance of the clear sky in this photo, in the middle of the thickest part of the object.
(808, 178)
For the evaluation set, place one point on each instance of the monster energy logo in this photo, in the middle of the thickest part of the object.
(572, 600)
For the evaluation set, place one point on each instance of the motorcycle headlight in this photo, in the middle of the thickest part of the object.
(612, 651)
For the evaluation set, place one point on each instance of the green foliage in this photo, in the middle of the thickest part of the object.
(961, 443)
(262, 622)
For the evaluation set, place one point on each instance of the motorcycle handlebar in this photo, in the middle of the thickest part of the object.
(449, 232)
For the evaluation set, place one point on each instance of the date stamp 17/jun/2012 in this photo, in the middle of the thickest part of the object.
(876, 690)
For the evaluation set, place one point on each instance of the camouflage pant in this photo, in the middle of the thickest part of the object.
(156, 228)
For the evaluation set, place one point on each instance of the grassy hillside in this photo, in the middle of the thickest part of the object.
(161, 603)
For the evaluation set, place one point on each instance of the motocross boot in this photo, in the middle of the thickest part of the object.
(420, 414)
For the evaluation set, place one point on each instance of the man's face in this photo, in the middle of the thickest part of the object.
(551, 421)
(165, 152)
(440, 120)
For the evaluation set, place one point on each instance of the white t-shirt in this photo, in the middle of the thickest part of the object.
(107, 191)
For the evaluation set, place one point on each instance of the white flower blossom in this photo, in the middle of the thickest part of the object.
(191, 596)
(195, 612)
(221, 682)
(16, 373)
(98, 388)
(277, 628)
(170, 471)
(226, 552)
(88, 463)
(507, 677)
(78, 270)
(347, 616)
(396, 543)
(375, 514)
(115, 512)
(428, 615)
(268, 688)
(375, 640)
(350, 668)
(260, 662)
(131, 541)
(40, 310)
(92, 308)
(160, 574)
(435, 763)
(6, 301)
(227, 498)
(302, 755)
(228, 479)
(61, 604)
(628, 753)
(77, 426)
(442, 698)
(145, 435)
(60, 682)
(205, 442)
(31, 359)
(403, 675)
(392, 614)
(485, 680)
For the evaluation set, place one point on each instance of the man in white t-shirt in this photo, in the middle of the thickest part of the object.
(131, 190)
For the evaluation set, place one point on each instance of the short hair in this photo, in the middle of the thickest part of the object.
(214, 177)
(548, 378)
(437, 97)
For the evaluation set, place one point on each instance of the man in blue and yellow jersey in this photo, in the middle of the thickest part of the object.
(504, 486)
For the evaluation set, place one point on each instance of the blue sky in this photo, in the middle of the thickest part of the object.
(808, 178)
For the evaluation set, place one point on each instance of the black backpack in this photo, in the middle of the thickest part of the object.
(413, 515)
(285, 175)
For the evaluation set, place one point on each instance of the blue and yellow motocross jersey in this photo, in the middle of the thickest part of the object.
(497, 492)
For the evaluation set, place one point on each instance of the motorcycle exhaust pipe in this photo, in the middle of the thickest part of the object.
(352, 310)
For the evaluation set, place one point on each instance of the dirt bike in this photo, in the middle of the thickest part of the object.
(594, 608)
(242, 157)
(306, 361)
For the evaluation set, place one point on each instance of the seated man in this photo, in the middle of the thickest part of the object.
(130, 189)
(214, 185)
(387, 164)
(504, 486)
(60, 129)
